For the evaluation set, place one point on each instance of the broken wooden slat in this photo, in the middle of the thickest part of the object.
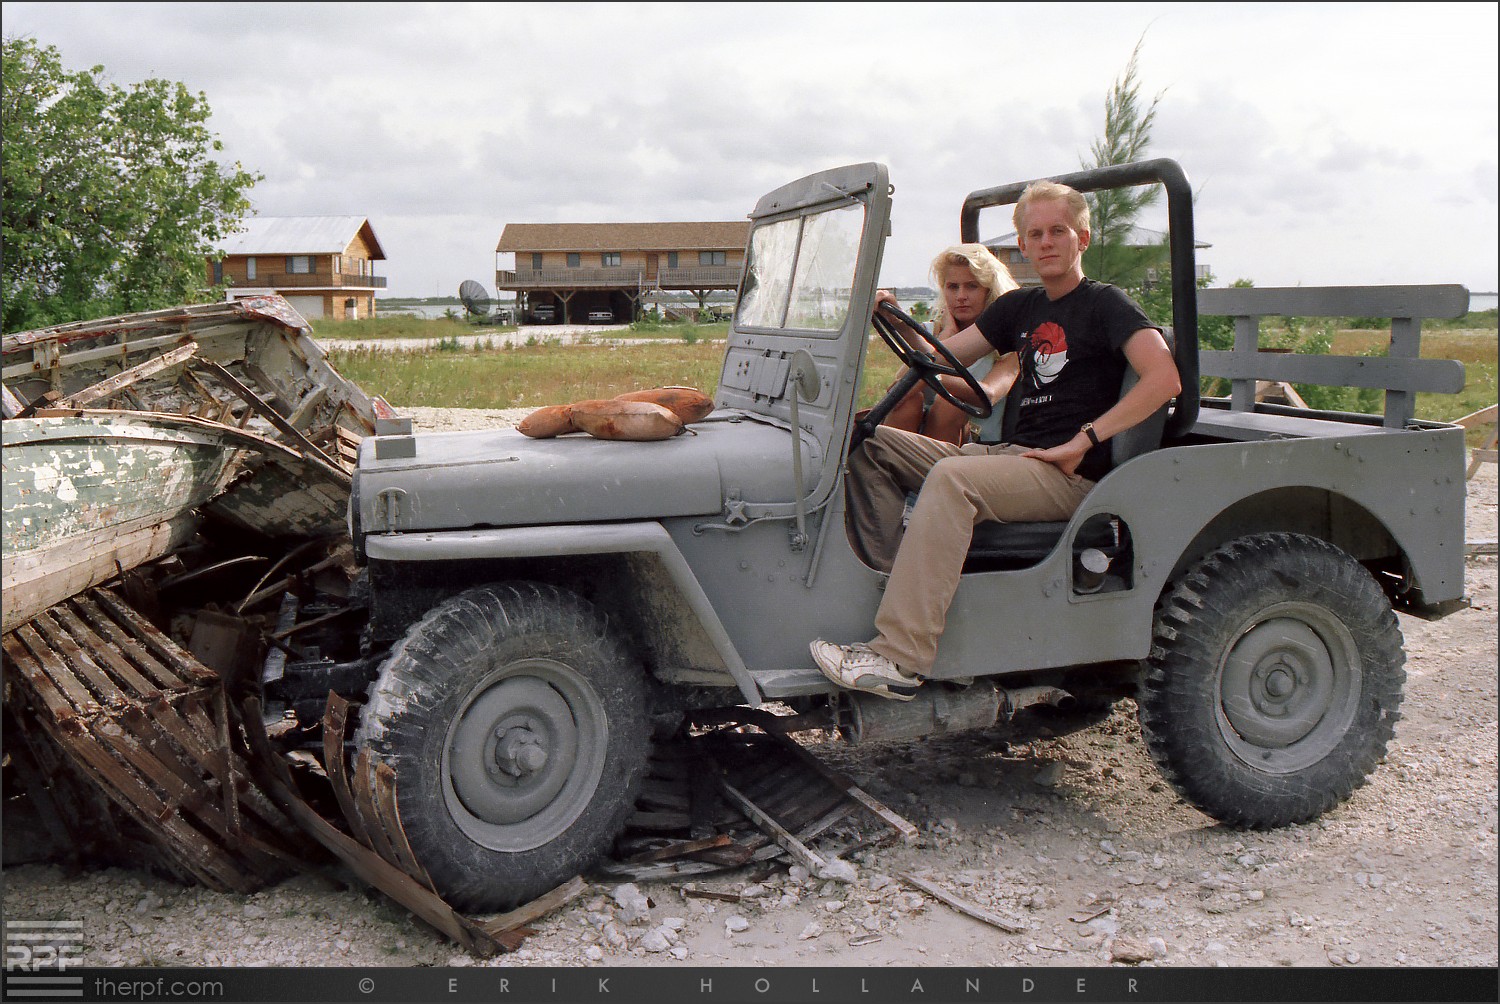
(370, 867)
(123, 379)
(678, 849)
(909, 833)
(163, 647)
(804, 855)
(962, 906)
(265, 411)
(390, 822)
(537, 908)
(364, 801)
(335, 722)
(111, 632)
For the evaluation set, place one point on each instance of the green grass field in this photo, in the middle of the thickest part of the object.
(532, 376)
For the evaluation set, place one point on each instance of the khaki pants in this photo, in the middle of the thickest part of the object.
(960, 487)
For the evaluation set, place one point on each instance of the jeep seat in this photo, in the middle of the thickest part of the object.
(998, 545)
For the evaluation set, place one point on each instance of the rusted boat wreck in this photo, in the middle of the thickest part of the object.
(175, 489)
(122, 435)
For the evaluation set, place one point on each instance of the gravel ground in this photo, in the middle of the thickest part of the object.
(1063, 825)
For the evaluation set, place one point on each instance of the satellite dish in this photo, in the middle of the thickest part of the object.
(475, 298)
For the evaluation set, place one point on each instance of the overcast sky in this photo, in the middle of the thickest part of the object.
(1340, 143)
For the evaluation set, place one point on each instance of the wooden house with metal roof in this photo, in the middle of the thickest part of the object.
(323, 265)
(570, 271)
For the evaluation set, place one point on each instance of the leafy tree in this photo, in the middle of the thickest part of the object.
(111, 195)
(1127, 135)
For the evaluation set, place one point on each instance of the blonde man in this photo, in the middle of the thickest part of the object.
(969, 278)
(1063, 346)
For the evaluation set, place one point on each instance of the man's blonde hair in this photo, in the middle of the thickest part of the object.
(1078, 207)
(980, 260)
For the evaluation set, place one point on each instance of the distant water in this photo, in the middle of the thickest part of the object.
(1483, 302)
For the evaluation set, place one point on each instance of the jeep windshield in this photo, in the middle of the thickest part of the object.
(799, 272)
(803, 310)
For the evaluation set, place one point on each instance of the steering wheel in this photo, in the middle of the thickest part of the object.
(925, 366)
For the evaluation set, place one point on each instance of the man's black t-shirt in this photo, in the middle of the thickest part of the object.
(1072, 353)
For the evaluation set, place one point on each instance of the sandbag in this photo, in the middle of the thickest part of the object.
(637, 421)
(687, 403)
(544, 423)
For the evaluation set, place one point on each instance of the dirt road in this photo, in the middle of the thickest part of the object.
(1061, 825)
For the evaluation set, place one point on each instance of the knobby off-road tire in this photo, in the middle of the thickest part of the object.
(1274, 682)
(519, 733)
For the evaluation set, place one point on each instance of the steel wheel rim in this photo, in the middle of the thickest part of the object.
(524, 754)
(1288, 687)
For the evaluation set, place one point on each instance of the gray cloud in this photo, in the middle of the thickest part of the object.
(443, 122)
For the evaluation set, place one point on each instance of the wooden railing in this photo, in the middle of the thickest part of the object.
(280, 280)
(700, 277)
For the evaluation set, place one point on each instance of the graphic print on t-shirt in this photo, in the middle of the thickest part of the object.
(1047, 352)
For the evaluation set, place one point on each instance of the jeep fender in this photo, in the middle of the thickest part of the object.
(560, 542)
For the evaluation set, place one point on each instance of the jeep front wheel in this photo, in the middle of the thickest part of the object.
(1274, 682)
(518, 732)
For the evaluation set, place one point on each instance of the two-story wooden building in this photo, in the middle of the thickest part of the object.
(575, 271)
(323, 265)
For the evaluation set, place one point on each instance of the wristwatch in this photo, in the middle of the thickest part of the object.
(1088, 430)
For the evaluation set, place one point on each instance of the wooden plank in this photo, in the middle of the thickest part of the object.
(266, 411)
(804, 855)
(378, 873)
(1431, 376)
(966, 908)
(62, 678)
(113, 385)
(1446, 300)
(390, 822)
(874, 806)
(365, 800)
(1474, 419)
(162, 646)
(537, 908)
(335, 723)
(679, 848)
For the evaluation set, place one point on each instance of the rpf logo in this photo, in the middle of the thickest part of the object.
(43, 945)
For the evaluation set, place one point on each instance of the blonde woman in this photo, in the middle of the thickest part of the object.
(969, 278)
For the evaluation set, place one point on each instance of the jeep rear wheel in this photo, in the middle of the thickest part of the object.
(518, 732)
(1274, 682)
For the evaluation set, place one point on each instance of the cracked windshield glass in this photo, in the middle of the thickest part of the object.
(803, 285)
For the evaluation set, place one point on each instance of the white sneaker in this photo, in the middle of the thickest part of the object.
(859, 667)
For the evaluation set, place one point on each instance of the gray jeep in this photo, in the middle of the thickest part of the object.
(540, 609)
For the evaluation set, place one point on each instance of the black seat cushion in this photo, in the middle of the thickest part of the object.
(1031, 542)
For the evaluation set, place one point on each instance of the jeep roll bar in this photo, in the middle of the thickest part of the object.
(1184, 269)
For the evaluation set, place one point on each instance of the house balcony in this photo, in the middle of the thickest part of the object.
(704, 277)
(316, 280)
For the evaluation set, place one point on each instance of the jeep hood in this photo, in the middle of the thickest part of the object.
(463, 480)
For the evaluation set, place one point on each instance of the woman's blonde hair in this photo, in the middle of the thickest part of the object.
(980, 260)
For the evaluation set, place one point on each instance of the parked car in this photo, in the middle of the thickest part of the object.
(601, 316)
(544, 313)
